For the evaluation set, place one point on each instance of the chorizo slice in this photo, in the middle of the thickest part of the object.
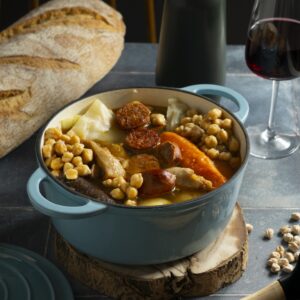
(142, 139)
(133, 115)
(140, 163)
(169, 154)
(157, 182)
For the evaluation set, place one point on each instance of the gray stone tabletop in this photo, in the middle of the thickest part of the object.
(269, 193)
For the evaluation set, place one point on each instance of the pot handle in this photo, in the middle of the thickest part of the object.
(219, 90)
(56, 210)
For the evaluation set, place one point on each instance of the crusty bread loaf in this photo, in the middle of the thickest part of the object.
(50, 57)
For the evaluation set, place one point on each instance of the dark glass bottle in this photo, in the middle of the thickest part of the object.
(192, 43)
(291, 284)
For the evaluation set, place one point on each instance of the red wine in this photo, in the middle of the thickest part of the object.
(273, 48)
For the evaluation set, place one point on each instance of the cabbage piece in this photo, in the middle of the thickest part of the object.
(95, 123)
(176, 110)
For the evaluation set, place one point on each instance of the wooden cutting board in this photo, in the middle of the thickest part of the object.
(203, 273)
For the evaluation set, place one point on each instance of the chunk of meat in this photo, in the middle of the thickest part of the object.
(116, 150)
(169, 154)
(141, 162)
(186, 178)
(110, 165)
(133, 115)
(142, 139)
(157, 182)
(89, 188)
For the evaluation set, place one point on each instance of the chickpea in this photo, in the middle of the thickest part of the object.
(295, 216)
(77, 161)
(69, 148)
(269, 233)
(87, 155)
(136, 180)
(205, 124)
(124, 186)
(213, 129)
(185, 120)
(83, 170)
(293, 247)
(283, 262)
(56, 163)
(68, 166)
(65, 138)
(234, 144)
(189, 125)
(225, 156)
(117, 194)
(77, 149)
(197, 119)
(48, 161)
(211, 141)
(272, 261)
(289, 256)
(131, 192)
(288, 268)
(71, 174)
(118, 181)
(53, 133)
(50, 142)
(60, 147)
(249, 227)
(275, 268)
(285, 229)
(226, 123)
(158, 119)
(214, 113)
(47, 151)
(107, 182)
(75, 139)
(296, 229)
(218, 122)
(222, 136)
(55, 173)
(67, 156)
(130, 202)
(275, 254)
(213, 153)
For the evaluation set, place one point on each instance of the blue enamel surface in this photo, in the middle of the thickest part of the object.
(222, 91)
(59, 210)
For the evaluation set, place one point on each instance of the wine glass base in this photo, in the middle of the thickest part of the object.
(262, 145)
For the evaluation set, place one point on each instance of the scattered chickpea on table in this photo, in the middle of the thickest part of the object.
(284, 255)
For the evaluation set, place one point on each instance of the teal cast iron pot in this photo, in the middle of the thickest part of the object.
(141, 235)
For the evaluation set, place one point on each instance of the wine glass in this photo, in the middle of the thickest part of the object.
(273, 52)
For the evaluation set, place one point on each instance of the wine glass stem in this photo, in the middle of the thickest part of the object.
(270, 131)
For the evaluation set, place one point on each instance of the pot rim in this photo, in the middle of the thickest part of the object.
(195, 201)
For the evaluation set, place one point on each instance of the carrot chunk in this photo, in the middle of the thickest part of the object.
(194, 158)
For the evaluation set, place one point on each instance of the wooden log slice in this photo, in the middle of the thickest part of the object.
(200, 274)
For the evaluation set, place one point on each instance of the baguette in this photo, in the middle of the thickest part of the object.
(50, 57)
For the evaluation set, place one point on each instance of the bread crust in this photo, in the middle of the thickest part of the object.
(51, 57)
